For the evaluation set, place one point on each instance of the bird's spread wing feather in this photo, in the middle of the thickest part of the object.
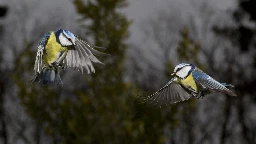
(39, 56)
(172, 92)
(82, 55)
(209, 83)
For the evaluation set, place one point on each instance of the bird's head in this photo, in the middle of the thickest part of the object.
(183, 70)
(65, 37)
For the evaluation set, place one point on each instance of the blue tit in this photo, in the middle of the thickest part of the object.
(61, 49)
(188, 81)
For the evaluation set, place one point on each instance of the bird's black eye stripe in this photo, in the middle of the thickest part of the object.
(67, 37)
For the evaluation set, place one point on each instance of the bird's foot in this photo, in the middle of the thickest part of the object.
(57, 65)
(199, 95)
(54, 64)
(61, 66)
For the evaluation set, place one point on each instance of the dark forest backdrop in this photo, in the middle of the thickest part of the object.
(98, 108)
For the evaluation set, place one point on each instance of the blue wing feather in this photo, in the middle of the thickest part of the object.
(207, 82)
(39, 56)
(44, 39)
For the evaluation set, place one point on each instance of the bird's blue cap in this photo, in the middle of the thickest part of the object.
(69, 33)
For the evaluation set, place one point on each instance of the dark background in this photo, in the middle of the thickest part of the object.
(98, 108)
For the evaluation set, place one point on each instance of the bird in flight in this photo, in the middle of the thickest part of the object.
(61, 49)
(188, 81)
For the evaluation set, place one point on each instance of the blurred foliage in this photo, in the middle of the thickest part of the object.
(3, 11)
(188, 49)
(242, 37)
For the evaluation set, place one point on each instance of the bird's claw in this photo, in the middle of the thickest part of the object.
(54, 64)
(58, 65)
(61, 66)
(198, 95)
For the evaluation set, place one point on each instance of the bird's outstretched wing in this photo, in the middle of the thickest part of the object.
(39, 56)
(82, 55)
(209, 83)
(171, 93)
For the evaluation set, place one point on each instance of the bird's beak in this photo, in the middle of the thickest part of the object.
(173, 74)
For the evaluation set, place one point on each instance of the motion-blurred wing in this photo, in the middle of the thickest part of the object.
(82, 55)
(172, 92)
(208, 82)
(39, 56)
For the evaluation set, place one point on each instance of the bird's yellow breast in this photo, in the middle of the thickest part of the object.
(189, 82)
(53, 50)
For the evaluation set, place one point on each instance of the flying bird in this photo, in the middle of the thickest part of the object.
(188, 81)
(61, 49)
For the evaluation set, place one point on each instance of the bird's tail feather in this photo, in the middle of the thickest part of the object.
(227, 85)
(228, 91)
(48, 76)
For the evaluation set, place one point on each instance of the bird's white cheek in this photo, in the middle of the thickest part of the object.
(74, 41)
(64, 40)
(182, 74)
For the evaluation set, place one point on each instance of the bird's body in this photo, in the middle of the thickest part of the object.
(54, 51)
(188, 81)
(61, 49)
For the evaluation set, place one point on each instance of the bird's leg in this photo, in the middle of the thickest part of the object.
(61, 65)
(59, 61)
(58, 65)
(62, 55)
(205, 91)
(200, 95)
(194, 94)
(55, 65)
